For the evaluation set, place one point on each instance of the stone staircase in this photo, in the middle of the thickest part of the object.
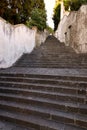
(53, 54)
(46, 98)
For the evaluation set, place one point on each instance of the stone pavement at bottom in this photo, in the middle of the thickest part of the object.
(11, 126)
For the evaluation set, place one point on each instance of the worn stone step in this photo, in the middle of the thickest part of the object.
(55, 52)
(56, 60)
(65, 107)
(31, 121)
(35, 122)
(44, 94)
(55, 77)
(54, 63)
(78, 90)
(58, 116)
(46, 98)
(52, 104)
(63, 64)
(76, 109)
(48, 88)
(50, 66)
(6, 125)
(55, 55)
(45, 81)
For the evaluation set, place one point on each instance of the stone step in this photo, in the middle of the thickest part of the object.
(45, 76)
(53, 62)
(58, 116)
(54, 57)
(48, 62)
(56, 52)
(69, 63)
(46, 102)
(60, 65)
(48, 88)
(67, 89)
(35, 122)
(6, 125)
(45, 81)
(61, 106)
(57, 104)
(65, 57)
(53, 54)
(44, 94)
(31, 121)
(49, 66)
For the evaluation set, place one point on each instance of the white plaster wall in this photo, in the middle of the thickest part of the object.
(60, 33)
(14, 41)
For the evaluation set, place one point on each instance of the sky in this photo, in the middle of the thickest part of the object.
(49, 4)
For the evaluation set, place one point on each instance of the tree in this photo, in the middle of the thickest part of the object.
(19, 11)
(56, 16)
(38, 4)
(38, 19)
(11, 10)
(49, 29)
(3, 6)
(74, 4)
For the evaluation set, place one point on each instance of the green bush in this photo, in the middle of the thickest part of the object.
(56, 16)
(38, 19)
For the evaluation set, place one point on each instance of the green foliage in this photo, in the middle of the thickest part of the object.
(67, 4)
(38, 19)
(10, 10)
(56, 16)
(74, 4)
(38, 4)
(19, 11)
(49, 29)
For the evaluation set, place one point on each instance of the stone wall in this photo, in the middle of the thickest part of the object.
(60, 32)
(80, 27)
(41, 37)
(72, 30)
(14, 41)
